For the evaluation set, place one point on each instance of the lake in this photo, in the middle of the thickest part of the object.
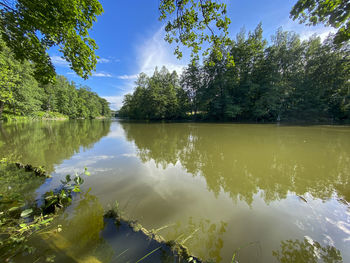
(264, 193)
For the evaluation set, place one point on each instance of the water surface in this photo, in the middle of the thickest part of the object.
(267, 193)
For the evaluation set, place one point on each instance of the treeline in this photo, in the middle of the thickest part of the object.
(22, 95)
(286, 79)
(157, 97)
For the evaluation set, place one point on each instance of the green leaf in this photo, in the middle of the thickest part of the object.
(26, 212)
(13, 209)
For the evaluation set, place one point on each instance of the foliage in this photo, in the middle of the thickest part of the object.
(31, 27)
(193, 22)
(335, 13)
(288, 80)
(65, 98)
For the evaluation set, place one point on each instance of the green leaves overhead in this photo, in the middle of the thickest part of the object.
(335, 13)
(192, 23)
(30, 27)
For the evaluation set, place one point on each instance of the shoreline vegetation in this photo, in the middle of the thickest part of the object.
(43, 116)
(22, 217)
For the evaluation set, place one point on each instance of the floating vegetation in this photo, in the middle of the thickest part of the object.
(20, 215)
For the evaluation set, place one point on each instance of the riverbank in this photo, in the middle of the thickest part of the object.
(213, 121)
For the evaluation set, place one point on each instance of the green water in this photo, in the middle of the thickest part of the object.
(267, 193)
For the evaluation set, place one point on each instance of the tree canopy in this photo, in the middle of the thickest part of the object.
(193, 22)
(31, 27)
(335, 13)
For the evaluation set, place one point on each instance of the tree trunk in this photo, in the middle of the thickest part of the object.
(2, 105)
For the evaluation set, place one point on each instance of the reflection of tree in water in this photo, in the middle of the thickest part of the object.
(17, 186)
(49, 143)
(243, 159)
(306, 251)
(203, 237)
(81, 236)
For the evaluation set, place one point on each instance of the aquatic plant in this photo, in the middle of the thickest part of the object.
(21, 217)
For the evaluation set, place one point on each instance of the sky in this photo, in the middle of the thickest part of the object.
(131, 40)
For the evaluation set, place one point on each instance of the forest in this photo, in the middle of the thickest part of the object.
(285, 79)
(22, 94)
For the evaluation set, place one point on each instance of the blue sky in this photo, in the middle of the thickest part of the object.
(130, 40)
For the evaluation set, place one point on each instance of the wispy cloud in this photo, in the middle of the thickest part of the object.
(128, 77)
(151, 53)
(102, 74)
(306, 32)
(103, 60)
(59, 61)
(155, 52)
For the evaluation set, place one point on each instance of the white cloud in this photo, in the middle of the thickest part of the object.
(128, 77)
(59, 61)
(103, 60)
(115, 101)
(102, 74)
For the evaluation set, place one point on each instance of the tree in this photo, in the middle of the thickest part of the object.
(335, 13)
(31, 27)
(8, 77)
(156, 98)
(191, 83)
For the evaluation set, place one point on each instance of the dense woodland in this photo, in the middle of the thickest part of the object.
(22, 95)
(285, 79)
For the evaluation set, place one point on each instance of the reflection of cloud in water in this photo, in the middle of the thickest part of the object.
(116, 132)
(341, 225)
(84, 162)
(328, 240)
(312, 243)
(129, 155)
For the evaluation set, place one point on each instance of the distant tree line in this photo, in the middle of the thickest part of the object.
(286, 79)
(21, 94)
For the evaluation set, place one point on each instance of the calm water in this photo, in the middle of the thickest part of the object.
(267, 193)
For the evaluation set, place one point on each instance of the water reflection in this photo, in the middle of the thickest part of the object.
(221, 188)
(88, 236)
(244, 159)
(203, 236)
(306, 251)
(48, 143)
